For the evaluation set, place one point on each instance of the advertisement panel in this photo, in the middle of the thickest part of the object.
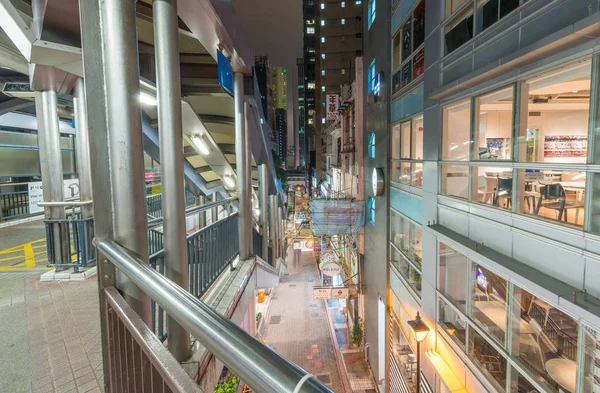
(333, 104)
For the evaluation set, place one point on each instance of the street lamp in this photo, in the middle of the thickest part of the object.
(420, 331)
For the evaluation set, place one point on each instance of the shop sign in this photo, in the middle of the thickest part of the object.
(156, 190)
(34, 191)
(419, 64)
(330, 266)
(339, 293)
(333, 104)
(320, 293)
(304, 245)
(324, 293)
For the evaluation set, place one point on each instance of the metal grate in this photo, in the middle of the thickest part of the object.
(275, 320)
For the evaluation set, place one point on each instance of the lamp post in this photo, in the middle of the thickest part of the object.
(420, 331)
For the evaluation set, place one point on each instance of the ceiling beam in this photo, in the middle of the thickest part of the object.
(226, 148)
(14, 104)
(202, 169)
(218, 119)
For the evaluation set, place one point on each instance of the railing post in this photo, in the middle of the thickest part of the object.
(83, 148)
(52, 170)
(202, 214)
(273, 229)
(214, 211)
(171, 157)
(264, 208)
(244, 183)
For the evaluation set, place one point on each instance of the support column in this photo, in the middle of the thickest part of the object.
(214, 211)
(244, 183)
(248, 176)
(273, 228)
(168, 89)
(263, 191)
(202, 214)
(112, 81)
(282, 231)
(83, 148)
(51, 167)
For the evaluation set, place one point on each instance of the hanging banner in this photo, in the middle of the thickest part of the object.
(333, 104)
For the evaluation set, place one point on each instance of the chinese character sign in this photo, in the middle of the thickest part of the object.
(333, 104)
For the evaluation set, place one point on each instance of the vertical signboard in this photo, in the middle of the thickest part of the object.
(36, 196)
(333, 104)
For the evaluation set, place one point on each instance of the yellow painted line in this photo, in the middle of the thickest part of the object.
(38, 247)
(39, 241)
(12, 250)
(29, 256)
(11, 258)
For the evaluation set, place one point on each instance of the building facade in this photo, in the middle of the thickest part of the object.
(482, 117)
(279, 87)
(281, 134)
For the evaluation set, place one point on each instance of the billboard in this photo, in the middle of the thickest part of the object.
(333, 104)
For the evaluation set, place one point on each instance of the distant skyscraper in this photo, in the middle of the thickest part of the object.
(262, 68)
(301, 148)
(279, 87)
(281, 133)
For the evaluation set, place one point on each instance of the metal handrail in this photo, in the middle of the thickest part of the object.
(192, 210)
(65, 204)
(254, 363)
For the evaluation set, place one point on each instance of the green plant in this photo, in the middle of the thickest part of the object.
(357, 333)
(280, 171)
(258, 315)
(227, 386)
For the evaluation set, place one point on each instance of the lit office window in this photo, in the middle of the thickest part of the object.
(494, 120)
(343, 21)
(322, 22)
(371, 147)
(311, 85)
(322, 40)
(323, 121)
(453, 273)
(323, 89)
(358, 2)
(323, 56)
(343, 71)
(455, 181)
(371, 210)
(322, 104)
(322, 72)
(310, 30)
(371, 76)
(322, 6)
(343, 4)
(456, 134)
(371, 13)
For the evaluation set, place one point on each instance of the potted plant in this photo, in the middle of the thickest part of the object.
(357, 334)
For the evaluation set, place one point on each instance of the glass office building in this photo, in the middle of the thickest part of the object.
(486, 129)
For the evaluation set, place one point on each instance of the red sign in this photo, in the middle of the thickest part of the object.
(333, 104)
(149, 176)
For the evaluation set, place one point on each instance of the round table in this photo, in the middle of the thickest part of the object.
(563, 371)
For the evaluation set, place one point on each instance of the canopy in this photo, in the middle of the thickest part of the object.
(336, 217)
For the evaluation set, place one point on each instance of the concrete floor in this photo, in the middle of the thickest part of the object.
(23, 243)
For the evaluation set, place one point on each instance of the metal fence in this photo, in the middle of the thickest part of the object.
(76, 250)
(155, 241)
(210, 250)
(154, 205)
(257, 243)
(14, 204)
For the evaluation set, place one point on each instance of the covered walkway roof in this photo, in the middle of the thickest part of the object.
(336, 217)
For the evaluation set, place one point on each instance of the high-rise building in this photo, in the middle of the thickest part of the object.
(281, 134)
(262, 68)
(279, 87)
(302, 148)
(308, 16)
(482, 210)
(338, 41)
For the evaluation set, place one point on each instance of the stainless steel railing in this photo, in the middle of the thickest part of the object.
(253, 362)
(156, 222)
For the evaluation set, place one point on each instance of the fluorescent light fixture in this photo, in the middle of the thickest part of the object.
(201, 144)
(229, 181)
(453, 147)
(580, 176)
(147, 99)
(466, 143)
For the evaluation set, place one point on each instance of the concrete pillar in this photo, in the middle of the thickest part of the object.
(168, 87)
(201, 215)
(214, 211)
(273, 229)
(264, 207)
(244, 182)
(82, 151)
(52, 172)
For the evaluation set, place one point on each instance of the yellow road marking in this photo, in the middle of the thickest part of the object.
(11, 258)
(29, 256)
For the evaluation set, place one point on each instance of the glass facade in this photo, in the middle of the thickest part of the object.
(407, 151)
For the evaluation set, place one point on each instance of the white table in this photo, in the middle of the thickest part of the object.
(563, 371)
(497, 314)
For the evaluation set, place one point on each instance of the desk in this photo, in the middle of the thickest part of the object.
(563, 371)
(497, 314)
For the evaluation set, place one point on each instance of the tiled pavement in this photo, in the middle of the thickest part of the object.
(297, 326)
(49, 335)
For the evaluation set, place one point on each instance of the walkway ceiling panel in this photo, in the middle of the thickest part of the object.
(336, 217)
(230, 158)
(219, 105)
(210, 176)
(57, 21)
(221, 133)
(16, 29)
(196, 161)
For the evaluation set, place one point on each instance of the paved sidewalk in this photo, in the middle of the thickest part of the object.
(49, 335)
(296, 325)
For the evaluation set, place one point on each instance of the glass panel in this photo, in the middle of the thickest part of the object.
(544, 339)
(494, 119)
(417, 138)
(553, 195)
(419, 25)
(20, 162)
(595, 216)
(406, 235)
(453, 5)
(493, 186)
(453, 276)
(457, 132)
(396, 141)
(396, 52)
(455, 181)
(556, 130)
(417, 174)
(405, 140)
(453, 323)
(402, 352)
(18, 139)
(489, 301)
(591, 370)
(520, 384)
(490, 11)
(484, 355)
(459, 31)
(406, 270)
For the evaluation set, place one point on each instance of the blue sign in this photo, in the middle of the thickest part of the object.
(225, 73)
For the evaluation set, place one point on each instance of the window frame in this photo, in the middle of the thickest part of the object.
(413, 53)
(371, 209)
(371, 152)
(411, 161)
(371, 13)
(372, 76)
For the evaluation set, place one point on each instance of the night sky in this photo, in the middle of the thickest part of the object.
(274, 27)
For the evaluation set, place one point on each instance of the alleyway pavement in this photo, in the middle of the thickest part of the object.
(297, 326)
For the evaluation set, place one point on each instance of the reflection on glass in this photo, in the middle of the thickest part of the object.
(453, 5)
(459, 30)
(457, 131)
(489, 301)
(558, 121)
(554, 195)
(545, 340)
(455, 181)
(417, 138)
(402, 352)
(396, 142)
(491, 11)
(520, 384)
(406, 269)
(595, 216)
(406, 235)
(405, 140)
(453, 276)
(453, 324)
(591, 373)
(493, 186)
(493, 125)
(491, 363)
(417, 174)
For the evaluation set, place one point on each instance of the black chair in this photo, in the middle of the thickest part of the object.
(504, 191)
(552, 196)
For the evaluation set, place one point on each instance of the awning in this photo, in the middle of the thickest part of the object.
(336, 217)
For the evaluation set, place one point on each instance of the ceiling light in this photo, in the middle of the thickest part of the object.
(575, 91)
(147, 99)
(201, 144)
(229, 181)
